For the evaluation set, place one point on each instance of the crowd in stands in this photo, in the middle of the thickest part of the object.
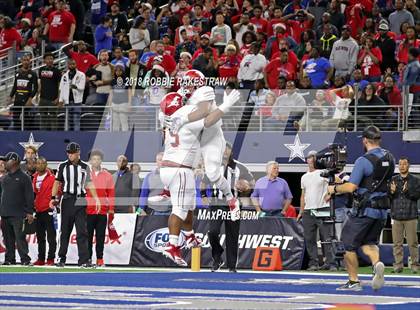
(345, 49)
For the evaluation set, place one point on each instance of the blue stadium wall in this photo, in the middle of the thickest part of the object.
(249, 147)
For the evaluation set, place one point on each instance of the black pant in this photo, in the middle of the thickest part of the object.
(96, 224)
(14, 237)
(232, 236)
(45, 225)
(72, 214)
(19, 112)
(48, 112)
(311, 224)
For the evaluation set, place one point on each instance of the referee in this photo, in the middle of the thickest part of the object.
(74, 176)
(241, 180)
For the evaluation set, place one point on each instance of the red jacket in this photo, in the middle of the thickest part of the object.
(43, 194)
(104, 185)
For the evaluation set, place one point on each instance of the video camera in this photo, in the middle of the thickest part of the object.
(331, 161)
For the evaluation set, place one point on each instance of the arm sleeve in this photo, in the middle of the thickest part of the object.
(59, 175)
(144, 193)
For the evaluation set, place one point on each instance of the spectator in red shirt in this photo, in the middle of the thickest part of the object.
(9, 36)
(291, 55)
(168, 62)
(304, 21)
(184, 9)
(204, 43)
(410, 41)
(84, 60)
(61, 26)
(43, 181)
(97, 218)
(277, 14)
(229, 63)
(370, 58)
(258, 21)
(277, 67)
(169, 49)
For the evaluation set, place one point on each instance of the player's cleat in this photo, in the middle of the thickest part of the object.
(27, 263)
(192, 241)
(39, 263)
(100, 262)
(350, 286)
(174, 253)
(235, 211)
(50, 262)
(378, 276)
(164, 196)
(60, 264)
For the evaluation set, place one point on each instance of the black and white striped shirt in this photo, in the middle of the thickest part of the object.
(74, 177)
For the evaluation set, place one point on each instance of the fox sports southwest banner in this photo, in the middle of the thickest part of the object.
(152, 234)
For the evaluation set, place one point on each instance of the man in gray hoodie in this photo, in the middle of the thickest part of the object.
(344, 53)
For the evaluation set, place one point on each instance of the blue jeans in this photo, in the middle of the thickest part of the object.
(75, 110)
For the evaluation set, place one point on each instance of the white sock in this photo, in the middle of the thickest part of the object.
(223, 185)
(173, 239)
(189, 233)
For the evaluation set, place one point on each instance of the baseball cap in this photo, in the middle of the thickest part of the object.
(205, 36)
(371, 132)
(72, 147)
(383, 26)
(166, 35)
(12, 156)
(346, 27)
(311, 153)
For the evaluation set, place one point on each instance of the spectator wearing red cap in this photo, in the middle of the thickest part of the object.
(97, 217)
(279, 66)
(370, 58)
(410, 41)
(61, 26)
(221, 33)
(43, 181)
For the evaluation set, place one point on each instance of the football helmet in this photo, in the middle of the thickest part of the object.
(170, 103)
(191, 80)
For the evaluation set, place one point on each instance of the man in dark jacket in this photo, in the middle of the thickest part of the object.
(125, 187)
(404, 192)
(16, 204)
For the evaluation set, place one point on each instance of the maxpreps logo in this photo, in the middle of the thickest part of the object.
(157, 239)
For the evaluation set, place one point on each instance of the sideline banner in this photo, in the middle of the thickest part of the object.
(152, 233)
(116, 252)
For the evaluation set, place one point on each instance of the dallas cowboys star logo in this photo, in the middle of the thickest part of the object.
(297, 148)
(31, 142)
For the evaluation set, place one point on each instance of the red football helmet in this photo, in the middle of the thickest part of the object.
(170, 103)
(191, 80)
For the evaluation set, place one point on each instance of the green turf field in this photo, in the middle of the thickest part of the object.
(16, 269)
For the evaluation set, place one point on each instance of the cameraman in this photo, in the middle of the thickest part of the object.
(368, 180)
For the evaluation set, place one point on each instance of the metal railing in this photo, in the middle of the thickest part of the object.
(146, 118)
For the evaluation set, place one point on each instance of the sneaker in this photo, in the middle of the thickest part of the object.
(174, 253)
(233, 270)
(397, 270)
(50, 262)
(192, 241)
(217, 264)
(27, 264)
(333, 268)
(60, 264)
(313, 268)
(164, 196)
(100, 262)
(87, 265)
(350, 286)
(235, 211)
(39, 263)
(8, 263)
(378, 275)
